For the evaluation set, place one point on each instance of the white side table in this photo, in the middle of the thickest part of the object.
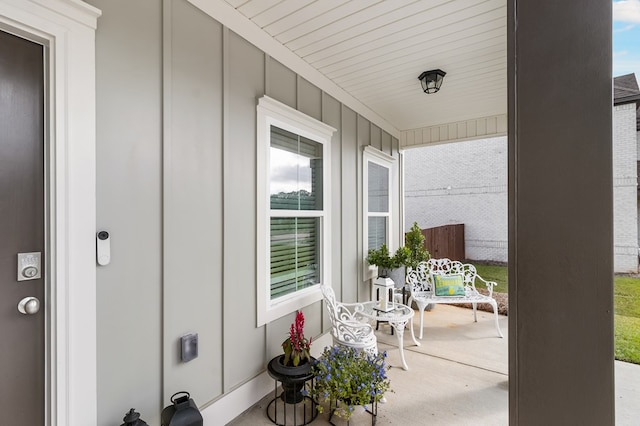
(397, 317)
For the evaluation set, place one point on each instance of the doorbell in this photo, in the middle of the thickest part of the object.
(103, 246)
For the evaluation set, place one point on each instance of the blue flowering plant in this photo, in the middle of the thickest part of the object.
(348, 378)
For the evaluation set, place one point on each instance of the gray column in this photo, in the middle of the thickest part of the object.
(560, 213)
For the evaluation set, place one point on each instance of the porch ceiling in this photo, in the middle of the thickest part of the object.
(375, 50)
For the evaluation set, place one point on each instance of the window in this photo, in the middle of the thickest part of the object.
(293, 211)
(377, 191)
(295, 178)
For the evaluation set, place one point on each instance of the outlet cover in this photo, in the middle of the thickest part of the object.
(189, 344)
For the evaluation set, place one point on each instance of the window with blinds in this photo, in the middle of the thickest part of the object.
(293, 223)
(377, 204)
(296, 209)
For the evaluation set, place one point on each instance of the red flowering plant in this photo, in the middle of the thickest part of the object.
(297, 347)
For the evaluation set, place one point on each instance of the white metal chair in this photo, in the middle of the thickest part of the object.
(347, 326)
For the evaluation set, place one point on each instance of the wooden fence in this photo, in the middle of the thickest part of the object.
(445, 241)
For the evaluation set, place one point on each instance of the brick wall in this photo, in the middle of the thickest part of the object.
(638, 144)
(462, 182)
(466, 182)
(625, 192)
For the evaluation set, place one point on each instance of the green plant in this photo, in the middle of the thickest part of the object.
(296, 347)
(384, 260)
(350, 376)
(412, 253)
(414, 242)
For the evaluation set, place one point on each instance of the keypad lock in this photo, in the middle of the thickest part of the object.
(29, 266)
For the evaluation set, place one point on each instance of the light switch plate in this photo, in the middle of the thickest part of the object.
(189, 345)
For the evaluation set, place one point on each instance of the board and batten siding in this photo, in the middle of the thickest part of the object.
(129, 195)
(176, 140)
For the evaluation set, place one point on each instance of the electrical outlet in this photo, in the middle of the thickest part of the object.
(189, 344)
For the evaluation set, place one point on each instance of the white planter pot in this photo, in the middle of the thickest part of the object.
(397, 275)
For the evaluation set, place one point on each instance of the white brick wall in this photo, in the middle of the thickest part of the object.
(638, 139)
(625, 193)
(462, 182)
(466, 182)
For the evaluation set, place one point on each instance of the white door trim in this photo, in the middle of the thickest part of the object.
(67, 29)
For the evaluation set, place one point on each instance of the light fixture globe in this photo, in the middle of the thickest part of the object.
(431, 80)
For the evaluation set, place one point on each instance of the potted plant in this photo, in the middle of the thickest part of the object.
(411, 254)
(414, 242)
(293, 368)
(386, 263)
(296, 347)
(346, 378)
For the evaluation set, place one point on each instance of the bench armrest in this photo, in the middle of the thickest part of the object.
(489, 284)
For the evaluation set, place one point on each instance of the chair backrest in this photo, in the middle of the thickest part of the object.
(338, 312)
(330, 301)
(346, 327)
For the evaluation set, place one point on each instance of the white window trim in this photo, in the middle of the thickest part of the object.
(373, 155)
(271, 112)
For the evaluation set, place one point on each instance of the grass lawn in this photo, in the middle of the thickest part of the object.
(626, 307)
(626, 300)
(494, 273)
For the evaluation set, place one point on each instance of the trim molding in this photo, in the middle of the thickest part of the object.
(67, 30)
(375, 152)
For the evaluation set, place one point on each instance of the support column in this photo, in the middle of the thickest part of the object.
(560, 213)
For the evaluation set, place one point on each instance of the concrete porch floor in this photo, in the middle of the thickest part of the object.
(457, 376)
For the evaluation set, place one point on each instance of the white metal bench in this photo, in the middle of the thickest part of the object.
(422, 289)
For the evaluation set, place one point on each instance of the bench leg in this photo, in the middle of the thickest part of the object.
(475, 309)
(421, 308)
(495, 317)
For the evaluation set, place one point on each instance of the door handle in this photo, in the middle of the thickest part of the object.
(29, 305)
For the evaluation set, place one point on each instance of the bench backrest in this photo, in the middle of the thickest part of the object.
(420, 278)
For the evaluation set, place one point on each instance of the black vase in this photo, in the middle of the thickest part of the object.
(292, 378)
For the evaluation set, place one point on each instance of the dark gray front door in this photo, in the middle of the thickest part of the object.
(22, 370)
